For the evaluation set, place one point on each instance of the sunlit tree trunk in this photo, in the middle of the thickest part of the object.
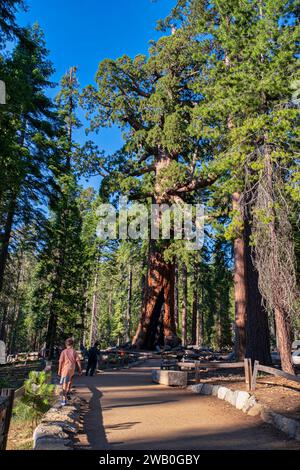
(128, 310)
(184, 306)
(176, 298)
(159, 288)
(239, 279)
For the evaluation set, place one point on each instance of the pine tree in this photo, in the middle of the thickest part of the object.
(62, 259)
(28, 124)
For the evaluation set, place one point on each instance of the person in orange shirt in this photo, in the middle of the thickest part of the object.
(66, 369)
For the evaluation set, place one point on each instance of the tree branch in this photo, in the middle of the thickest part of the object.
(196, 183)
(141, 171)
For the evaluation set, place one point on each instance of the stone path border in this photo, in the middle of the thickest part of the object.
(248, 404)
(58, 427)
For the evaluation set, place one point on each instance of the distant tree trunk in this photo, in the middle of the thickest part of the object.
(195, 316)
(239, 278)
(200, 326)
(284, 340)
(5, 238)
(184, 306)
(176, 297)
(14, 329)
(94, 320)
(257, 327)
(3, 324)
(128, 311)
(51, 331)
(53, 318)
(16, 307)
(84, 314)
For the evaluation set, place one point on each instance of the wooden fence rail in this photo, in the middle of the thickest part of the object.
(270, 370)
(197, 366)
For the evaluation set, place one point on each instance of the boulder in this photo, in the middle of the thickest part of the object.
(215, 390)
(53, 444)
(286, 425)
(196, 388)
(241, 399)
(256, 410)
(48, 431)
(207, 389)
(249, 404)
(231, 396)
(172, 378)
(222, 392)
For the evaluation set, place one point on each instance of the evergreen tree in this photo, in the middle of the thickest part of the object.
(59, 294)
(27, 154)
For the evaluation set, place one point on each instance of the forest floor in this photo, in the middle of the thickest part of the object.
(20, 435)
(277, 393)
(124, 409)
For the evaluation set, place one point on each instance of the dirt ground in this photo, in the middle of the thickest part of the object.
(278, 393)
(125, 410)
(20, 435)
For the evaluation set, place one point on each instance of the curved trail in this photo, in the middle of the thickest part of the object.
(125, 410)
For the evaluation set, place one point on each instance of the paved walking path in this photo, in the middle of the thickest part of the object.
(125, 410)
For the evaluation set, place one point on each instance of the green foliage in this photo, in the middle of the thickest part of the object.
(37, 397)
(4, 383)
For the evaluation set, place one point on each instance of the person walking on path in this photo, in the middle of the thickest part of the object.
(67, 364)
(93, 355)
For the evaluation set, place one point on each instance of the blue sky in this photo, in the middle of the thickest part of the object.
(83, 33)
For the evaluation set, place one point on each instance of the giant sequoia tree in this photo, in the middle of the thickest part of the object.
(152, 101)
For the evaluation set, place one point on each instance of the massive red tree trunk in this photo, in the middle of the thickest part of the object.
(159, 292)
(157, 324)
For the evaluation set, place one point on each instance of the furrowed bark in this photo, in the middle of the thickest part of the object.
(239, 288)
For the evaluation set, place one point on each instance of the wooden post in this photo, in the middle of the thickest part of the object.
(248, 373)
(6, 416)
(254, 376)
(197, 372)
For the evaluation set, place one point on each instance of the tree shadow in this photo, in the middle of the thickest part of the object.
(123, 425)
(255, 437)
(92, 419)
(135, 404)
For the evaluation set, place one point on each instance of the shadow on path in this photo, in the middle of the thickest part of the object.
(130, 412)
(92, 434)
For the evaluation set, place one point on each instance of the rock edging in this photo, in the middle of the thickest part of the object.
(249, 405)
(58, 427)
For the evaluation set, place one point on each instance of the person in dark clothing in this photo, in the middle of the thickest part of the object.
(93, 355)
